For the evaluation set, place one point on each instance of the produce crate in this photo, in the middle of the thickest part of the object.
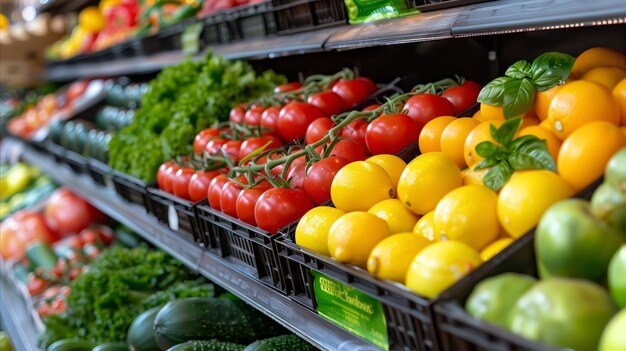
(57, 152)
(294, 16)
(130, 188)
(251, 21)
(76, 162)
(432, 5)
(170, 38)
(250, 248)
(175, 213)
(215, 30)
(101, 173)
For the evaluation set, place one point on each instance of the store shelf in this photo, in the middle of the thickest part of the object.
(16, 317)
(293, 316)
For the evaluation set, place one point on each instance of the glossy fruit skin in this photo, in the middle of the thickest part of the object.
(214, 146)
(478, 134)
(296, 175)
(253, 116)
(320, 176)
(163, 182)
(328, 102)
(462, 96)
(269, 120)
(352, 91)
(67, 213)
(430, 135)
(370, 83)
(251, 144)
(356, 131)
(360, 185)
(231, 149)
(23, 228)
(613, 338)
(617, 277)
(203, 138)
(424, 107)
(228, 197)
(354, 235)
(391, 257)
(318, 129)
(247, 199)
(278, 207)
(294, 119)
(237, 114)
(390, 134)
(453, 138)
(291, 86)
(347, 149)
(199, 184)
(215, 190)
(313, 228)
(181, 182)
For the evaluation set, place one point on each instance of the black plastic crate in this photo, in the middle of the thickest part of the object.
(251, 21)
(100, 173)
(432, 5)
(215, 29)
(175, 213)
(130, 188)
(57, 152)
(294, 16)
(76, 162)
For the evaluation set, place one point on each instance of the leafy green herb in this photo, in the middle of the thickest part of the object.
(510, 155)
(516, 90)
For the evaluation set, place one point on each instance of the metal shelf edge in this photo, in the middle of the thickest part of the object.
(16, 317)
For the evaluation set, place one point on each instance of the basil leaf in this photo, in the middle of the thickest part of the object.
(519, 70)
(487, 149)
(532, 154)
(519, 141)
(486, 163)
(507, 131)
(519, 97)
(493, 92)
(497, 176)
(551, 69)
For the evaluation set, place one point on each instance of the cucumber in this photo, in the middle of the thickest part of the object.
(71, 345)
(211, 318)
(207, 345)
(140, 336)
(42, 255)
(288, 342)
(111, 346)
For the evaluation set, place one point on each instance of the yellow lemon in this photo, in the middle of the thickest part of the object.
(494, 248)
(608, 76)
(354, 235)
(392, 257)
(526, 196)
(595, 57)
(468, 214)
(312, 230)
(426, 227)
(474, 177)
(360, 185)
(398, 217)
(440, 265)
(426, 179)
(619, 95)
(392, 164)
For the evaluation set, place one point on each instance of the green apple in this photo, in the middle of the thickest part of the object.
(614, 335)
(615, 172)
(617, 219)
(605, 199)
(617, 277)
(571, 242)
(563, 312)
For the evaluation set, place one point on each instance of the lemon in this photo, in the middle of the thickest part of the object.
(392, 164)
(426, 179)
(474, 177)
(494, 248)
(312, 230)
(398, 218)
(526, 196)
(391, 258)
(440, 265)
(608, 76)
(426, 227)
(468, 214)
(360, 185)
(354, 235)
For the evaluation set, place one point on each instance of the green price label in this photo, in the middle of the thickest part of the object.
(351, 309)
(190, 38)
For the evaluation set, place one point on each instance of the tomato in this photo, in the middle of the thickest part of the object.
(162, 175)
(370, 84)
(318, 129)
(231, 149)
(463, 96)
(278, 207)
(253, 116)
(390, 134)
(58, 305)
(424, 107)
(202, 138)
(252, 144)
(352, 91)
(35, 285)
(294, 119)
(269, 120)
(228, 197)
(237, 114)
(215, 190)
(77, 89)
(296, 175)
(214, 146)
(199, 184)
(67, 213)
(247, 199)
(371, 107)
(355, 130)
(106, 235)
(89, 236)
(168, 177)
(347, 149)
(291, 86)
(328, 102)
(320, 176)
(181, 182)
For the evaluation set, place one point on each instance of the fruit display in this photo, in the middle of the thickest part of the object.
(21, 186)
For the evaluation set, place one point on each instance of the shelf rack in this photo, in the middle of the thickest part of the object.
(16, 316)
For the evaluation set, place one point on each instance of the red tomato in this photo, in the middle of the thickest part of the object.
(347, 149)
(215, 190)
(269, 120)
(296, 175)
(89, 236)
(463, 96)
(317, 130)
(278, 207)
(237, 114)
(228, 197)
(252, 144)
(202, 138)
(291, 86)
(169, 176)
(320, 176)
(58, 305)
(253, 116)
(181, 182)
(35, 285)
(67, 213)
(390, 134)
(106, 235)
(231, 149)
(162, 176)
(294, 119)
(371, 107)
(370, 84)
(247, 199)
(328, 102)
(199, 184)
(214, 146)
(424, 107)
(352, 91)
(356, 131)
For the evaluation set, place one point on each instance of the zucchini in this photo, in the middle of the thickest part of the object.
(140, 336)
(207, 345)
(211, 318)
(111, 346)
(288, 342)
(42, 255)
(71, 345)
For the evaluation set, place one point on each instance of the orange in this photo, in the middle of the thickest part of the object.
(431, 134)
(585, 153)
(619, 95)
(578, 103)
(477, 116)
(490, 112)
(479, 134)
(623, 129)
(453, 139)
(472, 177)
(543, 100)
(595, 57)
(554, 143)
(608, 76)
(545, 124)
(529, 121)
